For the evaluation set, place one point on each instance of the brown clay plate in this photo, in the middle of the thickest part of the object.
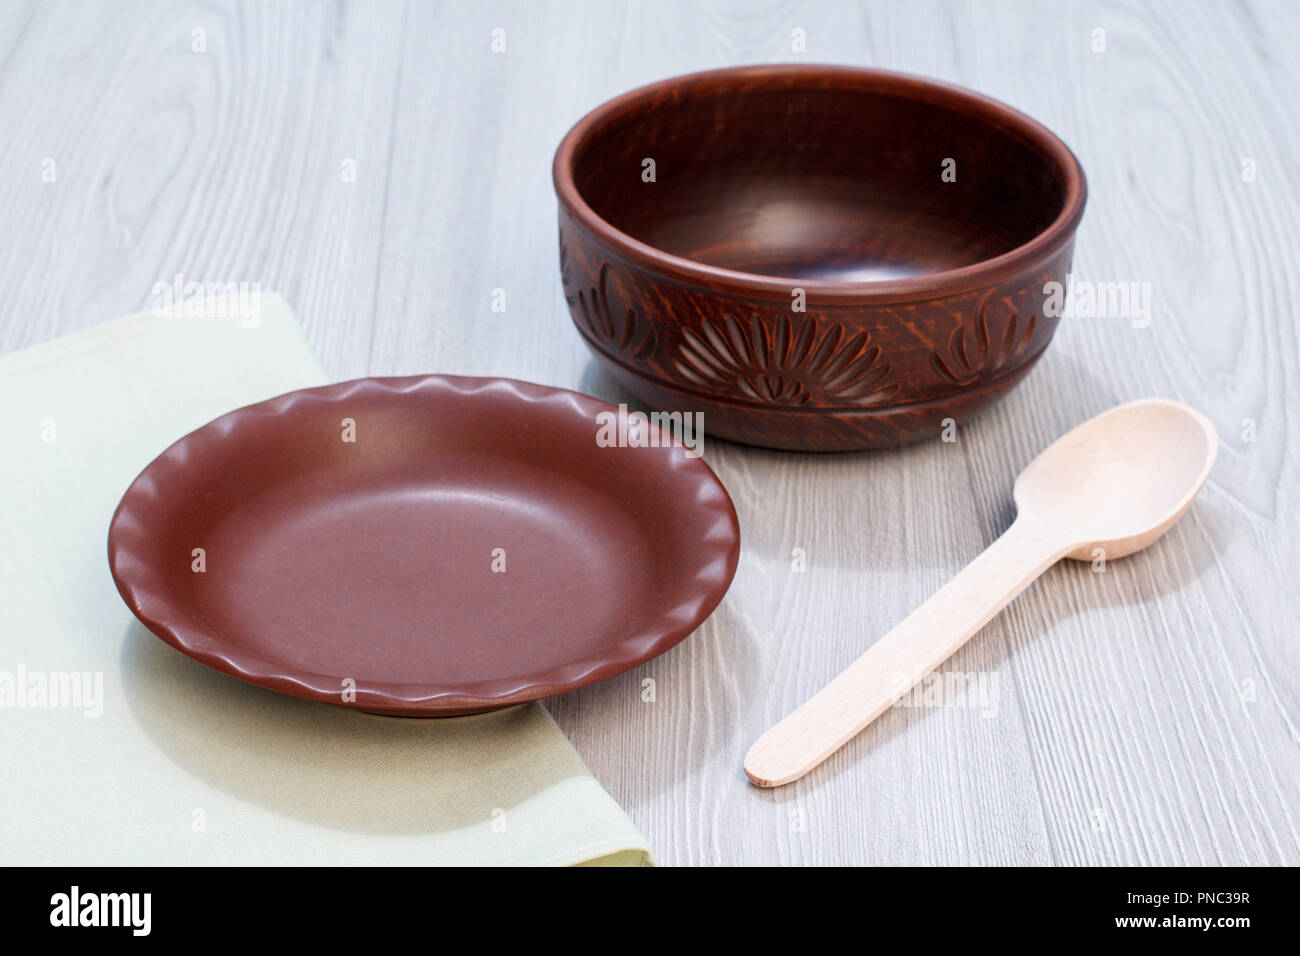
(438, 545)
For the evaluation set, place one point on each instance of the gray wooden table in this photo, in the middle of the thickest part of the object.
(387, 170)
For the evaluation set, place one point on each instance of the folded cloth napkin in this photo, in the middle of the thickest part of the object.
(120, 750)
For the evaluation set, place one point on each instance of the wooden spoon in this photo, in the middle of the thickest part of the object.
(1106, 489)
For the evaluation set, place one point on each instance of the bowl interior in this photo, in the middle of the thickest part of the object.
(834, 176)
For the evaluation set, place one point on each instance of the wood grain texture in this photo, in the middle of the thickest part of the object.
(1144, 715)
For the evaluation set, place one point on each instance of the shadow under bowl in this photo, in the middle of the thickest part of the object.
(818, 258)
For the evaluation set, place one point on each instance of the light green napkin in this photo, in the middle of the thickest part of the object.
(171, 762)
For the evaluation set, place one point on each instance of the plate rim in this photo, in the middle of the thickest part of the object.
(159, 611)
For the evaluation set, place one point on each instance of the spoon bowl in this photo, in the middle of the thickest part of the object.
(1120, 480)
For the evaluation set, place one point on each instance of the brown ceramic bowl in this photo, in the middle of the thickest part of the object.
(775, 187)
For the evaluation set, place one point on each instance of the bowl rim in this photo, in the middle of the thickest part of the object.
(922, 89)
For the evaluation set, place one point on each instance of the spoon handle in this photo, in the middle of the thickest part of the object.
(897, 662)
